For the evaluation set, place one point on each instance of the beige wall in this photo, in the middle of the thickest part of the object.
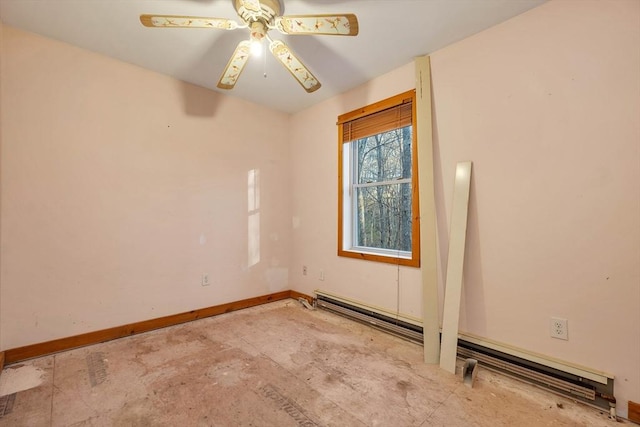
(121, 187)
(547, 106)
(1, 107)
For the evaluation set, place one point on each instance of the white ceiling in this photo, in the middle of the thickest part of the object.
(392, 33)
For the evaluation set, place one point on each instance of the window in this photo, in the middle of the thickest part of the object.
(378, 216)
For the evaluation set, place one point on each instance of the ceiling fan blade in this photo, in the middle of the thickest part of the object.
(282, 52)
(168, 21)
(336, 25)
(235, 65)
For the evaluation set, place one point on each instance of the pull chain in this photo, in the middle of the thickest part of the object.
(264, 60)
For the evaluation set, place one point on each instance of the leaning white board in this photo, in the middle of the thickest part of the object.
(428, 236)
(455, 263)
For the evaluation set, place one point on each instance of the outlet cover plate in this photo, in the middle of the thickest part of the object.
(559, 328)
(205, 279)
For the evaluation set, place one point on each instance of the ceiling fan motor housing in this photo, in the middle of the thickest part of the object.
(250, 12)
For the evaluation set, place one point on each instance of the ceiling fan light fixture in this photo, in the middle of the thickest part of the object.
(256, 48)
(258, 33)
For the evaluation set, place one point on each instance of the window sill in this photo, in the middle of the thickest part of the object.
(367, 256)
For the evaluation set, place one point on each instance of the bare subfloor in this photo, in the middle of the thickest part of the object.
(274, 365)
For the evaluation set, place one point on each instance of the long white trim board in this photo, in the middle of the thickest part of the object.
(455, 264)
(428, 244)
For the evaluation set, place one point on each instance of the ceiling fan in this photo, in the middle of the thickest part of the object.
(260, 16)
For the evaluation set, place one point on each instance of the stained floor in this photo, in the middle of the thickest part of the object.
(278, 364)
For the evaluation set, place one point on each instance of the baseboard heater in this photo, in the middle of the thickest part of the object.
(587, 386)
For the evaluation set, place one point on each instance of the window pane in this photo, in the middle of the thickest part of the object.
(384, 217)
(384, 157)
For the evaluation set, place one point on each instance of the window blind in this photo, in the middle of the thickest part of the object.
(378, 122)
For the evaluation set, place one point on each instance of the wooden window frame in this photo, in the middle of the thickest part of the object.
(344, 120)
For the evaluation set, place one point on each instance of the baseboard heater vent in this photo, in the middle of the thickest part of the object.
(596, 391)
(372, 318)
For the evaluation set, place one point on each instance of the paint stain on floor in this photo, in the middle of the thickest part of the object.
(19, 378)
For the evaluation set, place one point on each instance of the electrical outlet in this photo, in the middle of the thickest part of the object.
(321, 275)
(304, 270)
(559, 328)
(205, 279)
